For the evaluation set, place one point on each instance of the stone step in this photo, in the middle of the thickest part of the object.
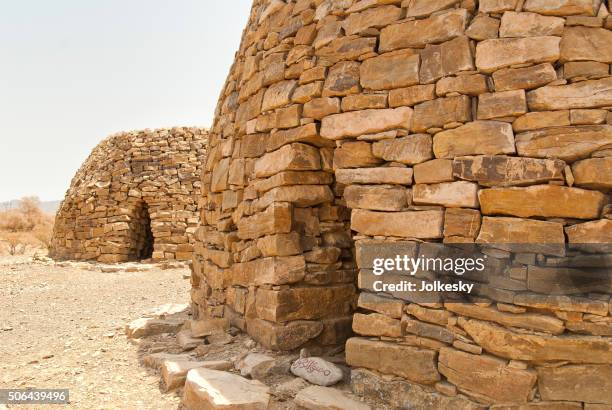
(174, 372)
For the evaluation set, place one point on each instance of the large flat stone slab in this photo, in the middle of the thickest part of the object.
(495, 54)
(583, 94)
(326, 398)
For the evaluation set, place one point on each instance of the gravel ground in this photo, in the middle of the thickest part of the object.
(62, 327)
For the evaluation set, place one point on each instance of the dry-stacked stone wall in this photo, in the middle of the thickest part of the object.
(134, 198)
(349, 129)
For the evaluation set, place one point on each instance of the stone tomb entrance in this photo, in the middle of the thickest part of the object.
(134, 198)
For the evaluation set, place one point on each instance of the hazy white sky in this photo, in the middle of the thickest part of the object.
(74, 71)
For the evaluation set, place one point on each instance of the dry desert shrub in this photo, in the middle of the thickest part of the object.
(25, 226)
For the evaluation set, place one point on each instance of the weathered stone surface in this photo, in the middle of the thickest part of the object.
(498, 170)
(464, 223)
(390, 71)
(415, 224)
(174, 373)
(355, 154)
(400, 393)
(494, 54)
(585, 69)
(586, 44)
(386, 175)
(376, 197)
(273, 271)
(299, 195)
(519, 346)
(214, 389)
(591, 232)
(418, 33)
(325, 398)
(278, 95)
(524, 78)
(417, 365)
(304, 303)
(460, 194)
(276, 219)
(252, 362)
(496, 6)
(540, 405)
(372, 17)
(542, 200)
(346, 48)
(560, 7)
(530, 25)
(286, 178)
(584, 94)
(283, 337)
(473, 85)
(475, 138)
(423, 8)
(410, 96)
(594, 173)
(318, 108)
(483, 27)
(356, 123)
(342, 79)
(433, 172)
(386, 306)
(588, 383)
(538, 120)
(562, 303)
(441, 111)
(448, 58)
(316, 371)
(292, 157)
(494, 379)
(149, 326)
(566, 143)
(363, 102)
(541, 236)
(532, 321)
(412, 149)
(427, 330)
(284, 244)
(501, 104)
(568, 281)
(588, 117)
(375, 324)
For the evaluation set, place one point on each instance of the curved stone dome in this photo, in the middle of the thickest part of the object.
(135, 197)
(350, 130)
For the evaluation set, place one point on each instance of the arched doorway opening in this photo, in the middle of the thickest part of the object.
(141, 233)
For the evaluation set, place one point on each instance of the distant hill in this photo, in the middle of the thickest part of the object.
(49, 207)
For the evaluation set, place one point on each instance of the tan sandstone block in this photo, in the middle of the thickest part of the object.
(356, 123)
(496, 6)
(276, 219)
(595, 173)
(346, 48)
(599, 231)
(318, 108)
(588, 383)
(294, 157)
(475, 138)
(375, 324)
(444, 59)
(441, 111)
(383, 175)
(542, 236)
(586, 43)
(560, 7)
(483, 27)
(410, 96)
(423, 8)
(376, 197)
(412, 149)
(278, 95)
(464, 223)
(500, 170)
(411, 224)
(583, 94)
(494, 379)
(543, 119)
(433, 172)
(519, 346)
(390, 71)
(494, 54)
(566, 143)
(387, 306)
(278, 270)
(542, 200)
(363, 102)
(343, 79)
(354, 154)
(371, 17)
(586, 69)
(473, 85)
(415, 364)
(459, 194)
(530, 25)
(418, 33)
(501, 104)
(283, 244)
(588, 117)
(524, 78)
(283, 337)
